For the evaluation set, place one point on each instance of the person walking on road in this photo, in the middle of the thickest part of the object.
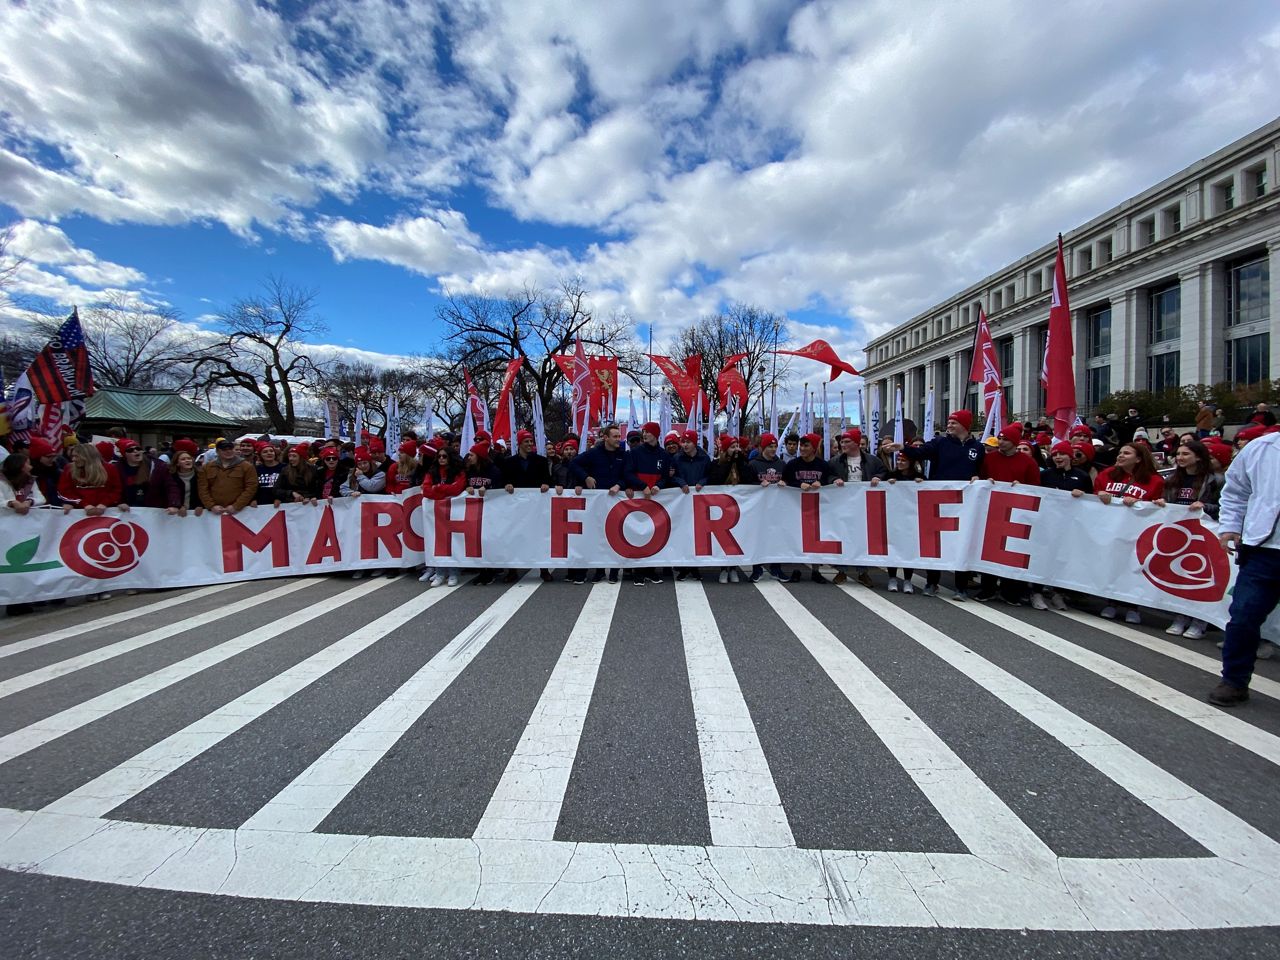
(1249, 519)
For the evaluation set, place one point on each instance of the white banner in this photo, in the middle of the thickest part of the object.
(1161, 557)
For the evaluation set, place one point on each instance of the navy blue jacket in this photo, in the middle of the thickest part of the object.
(644, 461)
(691, 471)
(949, 458)
(607, 468)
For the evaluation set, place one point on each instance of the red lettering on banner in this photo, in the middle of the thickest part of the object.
(613, 528)
(877, 524)
(932, 523)
(469, 526)
(325, 546)
(1000, 529)
(811, 527)
(704, 527)
(562, 526)
(236, 538)
(373, 531)
(411, 537)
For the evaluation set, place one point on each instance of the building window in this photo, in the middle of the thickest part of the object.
(1105, 251)
(1147, 232)
(1035, 283)
(1098, 331)
(1225, 195)
(1097, 385)
(1008, 295)
(1162, 372)
(1257, 180)
(1248, 291)
(997, 300)
(1164, 314)
(1084, 260)
(1172, 219)
(944, 380)
(1249, 360)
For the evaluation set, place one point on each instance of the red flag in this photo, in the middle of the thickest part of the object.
(479, 412)
(985, 368)
(502, 427)
(1058, 370)
(583, 389)
(604, 377)
(686, 380)
(823, 351)
(730, 382)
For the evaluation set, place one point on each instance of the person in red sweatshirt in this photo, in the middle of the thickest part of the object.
(88, 482)
(1134, 478)
(1011, 465)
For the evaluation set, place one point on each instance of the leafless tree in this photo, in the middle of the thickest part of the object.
(362, 384)
(740, 328)
(260, 350)
(10, 262)
(484, 333)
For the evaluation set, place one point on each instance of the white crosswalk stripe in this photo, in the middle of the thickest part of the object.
(1007, 878)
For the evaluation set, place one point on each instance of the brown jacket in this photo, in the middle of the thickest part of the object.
(1204, 419)
(223, 486)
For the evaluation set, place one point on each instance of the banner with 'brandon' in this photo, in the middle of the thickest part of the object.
(1162, 557)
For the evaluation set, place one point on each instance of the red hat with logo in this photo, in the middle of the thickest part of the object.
(853, 433)
(107, 449)
(652, 429)
(186, 445)
(362, 454)
(330, 451)
(670, 438)
(1012, 433)
(483, 435)
(812, 439)
(1080, 430)
(1062, 446)
(1249, 434)
(40, 447)
(125, 444)
(303, 450)
(1043, 439)
(768, 440)
(1083, 448)
(962, 417)
(408, 447)
(523, 435)
(726, 441)
(481, 449)
(428, 450)
(689, 436)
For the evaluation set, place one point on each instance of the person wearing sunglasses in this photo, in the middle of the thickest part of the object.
(330, 474)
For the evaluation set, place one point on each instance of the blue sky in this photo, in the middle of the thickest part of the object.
(846, 163)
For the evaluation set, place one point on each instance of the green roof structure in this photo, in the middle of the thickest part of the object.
(124, 405)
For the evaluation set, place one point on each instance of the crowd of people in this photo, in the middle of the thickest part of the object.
(1114, 460)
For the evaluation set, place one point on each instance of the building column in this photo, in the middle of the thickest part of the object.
(1273, 254)
(959, 381)
(1193, 332)
(1023, 401)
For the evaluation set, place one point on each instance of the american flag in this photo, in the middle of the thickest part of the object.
(51, 393)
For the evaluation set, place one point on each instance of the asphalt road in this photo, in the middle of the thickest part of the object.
(326, 767)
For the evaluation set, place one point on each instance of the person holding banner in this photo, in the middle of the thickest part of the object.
(602, 468)
(330, 474)
(407, 471)
(19, 491)
(445, 478)
(904, 471)
(853, 465)
(809, 472)
(89, 483)
(184, 490)
(956, 455)
(648, 469)
(228, 483)
(268, 469)
(143, 483)
(525, 470)
(1134, 479)
(367, 475)
(730, 469)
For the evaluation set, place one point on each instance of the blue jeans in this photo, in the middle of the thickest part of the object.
(1256, 594)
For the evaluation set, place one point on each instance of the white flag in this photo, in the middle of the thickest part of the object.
(928, 416)
(468, 429)
(511, 420)
(359, 427)
(992, 426)
(873, 419)
(898, 429)
(539, 427)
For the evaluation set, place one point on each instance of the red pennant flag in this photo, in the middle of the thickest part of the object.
(686, 380)
(604, 375)
(823, 351)
(730, 382)
(502, 427)
(985, 368)
(479, 412)
(1058, 373)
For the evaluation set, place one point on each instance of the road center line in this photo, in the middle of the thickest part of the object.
(305, 802)
(73, 718)
(526, 804)
(742, 800)
(108, 791)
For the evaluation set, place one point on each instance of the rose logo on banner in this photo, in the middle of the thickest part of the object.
(1184, 559)
(103, 547)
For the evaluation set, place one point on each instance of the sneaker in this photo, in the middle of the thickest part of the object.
(1133, 617)
(795, 577)
(654, 577)
(817, 577)
(428, 576)
(841, 576)
(756, 575)
(680, 576)
(1011, 600)
(724, 576)
(893, 584)
(1266, 649)
(580, 579)
(545, 575)
(907, 587)
(1108, 613)
(864, 578)
(453, 580)
(1057, 601)
(438, 580)
(1038, 602)
(613, 576)
(597, 576)
(959, 596)
(1221, 642)
(1225, 695)
(1196, 631)
(357, 574)
(734, 575)
(483, 580)
(930, 590)
(511, 576)
(1179, 626)
(983, 596)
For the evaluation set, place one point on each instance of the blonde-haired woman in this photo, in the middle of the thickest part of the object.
(88, 482)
